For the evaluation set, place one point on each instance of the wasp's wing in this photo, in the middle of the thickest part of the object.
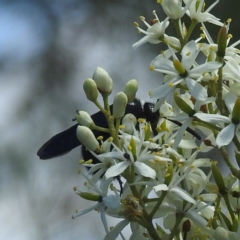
(59, 144)
(67, 140)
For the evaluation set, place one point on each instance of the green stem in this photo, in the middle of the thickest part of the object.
(100, 129)
(107, 113)
(206, 125)
(216, 212)
(115, 137)
(226, 199)
(212, 88)
(99, 106)
(229, 163)
(145, 219)
(190, 30)
(164, 193)
(179, 217)
(219, 100)
(176, 25)
(236, 142)
(149, 226)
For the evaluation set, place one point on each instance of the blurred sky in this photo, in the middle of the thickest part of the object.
(47, 50)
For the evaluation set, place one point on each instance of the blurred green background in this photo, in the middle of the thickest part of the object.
(47, 49)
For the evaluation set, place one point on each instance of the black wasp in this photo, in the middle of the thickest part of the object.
(67, 140)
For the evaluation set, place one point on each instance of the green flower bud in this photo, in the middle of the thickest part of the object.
(90, 196)
(236, 112)
(169, 174)
(237, 156)
(87, 138)
(148, 131)
(119, 105)
(90, 89)
(218, 179)
(129, 121)
(103, 81)
(222, 41)
(131, 89)
(84, 119)
(184, 106)
(133, 148)
(179, 67)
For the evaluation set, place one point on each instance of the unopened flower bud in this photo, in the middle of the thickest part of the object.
(184, 106)
(129, 121)
(179, 67)
(169, 175)
(221, 234)
(186, 227)
(218, 179)
(103, 81)
(119, 105)
(236, 112)
(84, 119)
(131, 89)
(133, 147)
(90, 196)
(87, 138)
(172, 8)
(90, 89)
(222, 41)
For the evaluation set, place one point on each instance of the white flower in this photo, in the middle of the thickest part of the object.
(231, 70)
(140, 167)
(226, 135)
(105, 201)
(191, 77)
(155, 33)
(231, 52)
(140, 159)
(195, 12)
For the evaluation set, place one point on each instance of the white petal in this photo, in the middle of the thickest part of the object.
(181, 132)
(230, 100)
(187, 144)
(111, 201)
(95, 206)
(162, 91)
(161, 187)
(143, 40)
(116, 230)
(117, 169)
(206, 67)
(117, 155)
(162, 63)
(184, 195)
(189, 54)
(144, 170)
(196, 89)
(226, 135)
(212, 118)
(199, 221)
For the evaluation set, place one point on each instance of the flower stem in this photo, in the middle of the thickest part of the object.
(164, 193)
(179, 217)
(229, 163)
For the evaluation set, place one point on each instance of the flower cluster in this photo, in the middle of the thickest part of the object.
(155, 151)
